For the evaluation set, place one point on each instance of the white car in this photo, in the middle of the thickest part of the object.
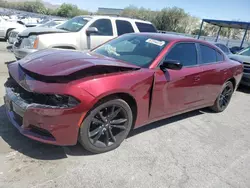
(78, 33)
(14, 33)
(7, 26)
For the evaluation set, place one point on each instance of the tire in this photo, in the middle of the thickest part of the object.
(224, 97)
(100, 122)
(8, 34)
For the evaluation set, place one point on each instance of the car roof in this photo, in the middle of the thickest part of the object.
(116, 18)
(175, 38)
(171, 37)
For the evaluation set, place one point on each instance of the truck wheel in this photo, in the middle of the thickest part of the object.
(106, 126)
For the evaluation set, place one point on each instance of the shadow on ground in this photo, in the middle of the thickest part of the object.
(244, 89)
(42, 151)
(33, 148)
(9, 62)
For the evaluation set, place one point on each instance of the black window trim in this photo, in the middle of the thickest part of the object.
(144, 23)
(200, 56)
(112, 27)
(125, 21)
(185, 42)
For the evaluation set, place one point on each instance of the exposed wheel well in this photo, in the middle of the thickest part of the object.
(127, 98)
(65, 47)
(7, 32)
(233, 82)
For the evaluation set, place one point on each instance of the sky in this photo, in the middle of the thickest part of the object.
(210, 9)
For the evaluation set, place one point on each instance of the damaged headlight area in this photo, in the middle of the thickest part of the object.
(47, 100)
(61, 101)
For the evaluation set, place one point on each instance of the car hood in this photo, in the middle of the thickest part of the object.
(65, 65)
(241, 58)
(40, 31)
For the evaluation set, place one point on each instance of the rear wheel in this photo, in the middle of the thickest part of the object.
(106, 126)
(224, 97)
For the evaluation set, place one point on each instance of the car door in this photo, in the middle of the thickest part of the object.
(213, 71)
(105, 32)
(2, 28)
(177, 90)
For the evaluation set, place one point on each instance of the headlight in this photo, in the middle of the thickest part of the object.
(63, 101)
(31, 42)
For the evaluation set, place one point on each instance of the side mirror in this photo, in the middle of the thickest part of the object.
(170, 64)
(91, 30)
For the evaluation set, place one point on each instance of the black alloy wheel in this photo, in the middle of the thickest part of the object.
(224, 97)
(106, 126)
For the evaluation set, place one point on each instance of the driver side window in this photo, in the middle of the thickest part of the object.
(185, 53)
(104, 27)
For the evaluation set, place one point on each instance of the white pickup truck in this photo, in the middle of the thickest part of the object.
(78, 33)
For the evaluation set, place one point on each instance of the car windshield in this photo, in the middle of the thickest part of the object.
(75, 24)
(44, 21)
(245, 52)
(51, 23)
(140, 50)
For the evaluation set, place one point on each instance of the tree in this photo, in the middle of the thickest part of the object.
(169, 19)
(139, 13)
(69, 10)
(65, 10)
(197, 31)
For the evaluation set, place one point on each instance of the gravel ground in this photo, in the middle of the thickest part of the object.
(197, 149)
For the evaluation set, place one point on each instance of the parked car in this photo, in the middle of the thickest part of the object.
(244, 57)
(75, 33)
(98, 97)
(13, 36)
(236, 49)
(7, 26)
(46, 23)
(223, 47)
(14, 33)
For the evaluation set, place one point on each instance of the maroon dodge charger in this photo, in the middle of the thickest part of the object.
(61, 97)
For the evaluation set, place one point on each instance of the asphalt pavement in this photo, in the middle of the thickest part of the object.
(199, 149)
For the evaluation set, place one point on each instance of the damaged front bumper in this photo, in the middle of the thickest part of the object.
(58, 126)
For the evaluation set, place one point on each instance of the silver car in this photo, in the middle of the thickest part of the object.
(224, 48)
(14, 35)
(244, 57)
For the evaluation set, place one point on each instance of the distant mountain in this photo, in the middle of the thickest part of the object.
(46, 4)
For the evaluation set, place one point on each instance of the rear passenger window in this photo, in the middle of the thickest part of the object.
(219, 56)
(208, 55)
(145, 27)
(185, 53)
(123, 27)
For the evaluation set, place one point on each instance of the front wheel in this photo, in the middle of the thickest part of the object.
(8, 34)
(106, 126)
(224, 97)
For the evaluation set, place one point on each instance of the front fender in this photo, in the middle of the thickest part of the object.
(137, 84)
